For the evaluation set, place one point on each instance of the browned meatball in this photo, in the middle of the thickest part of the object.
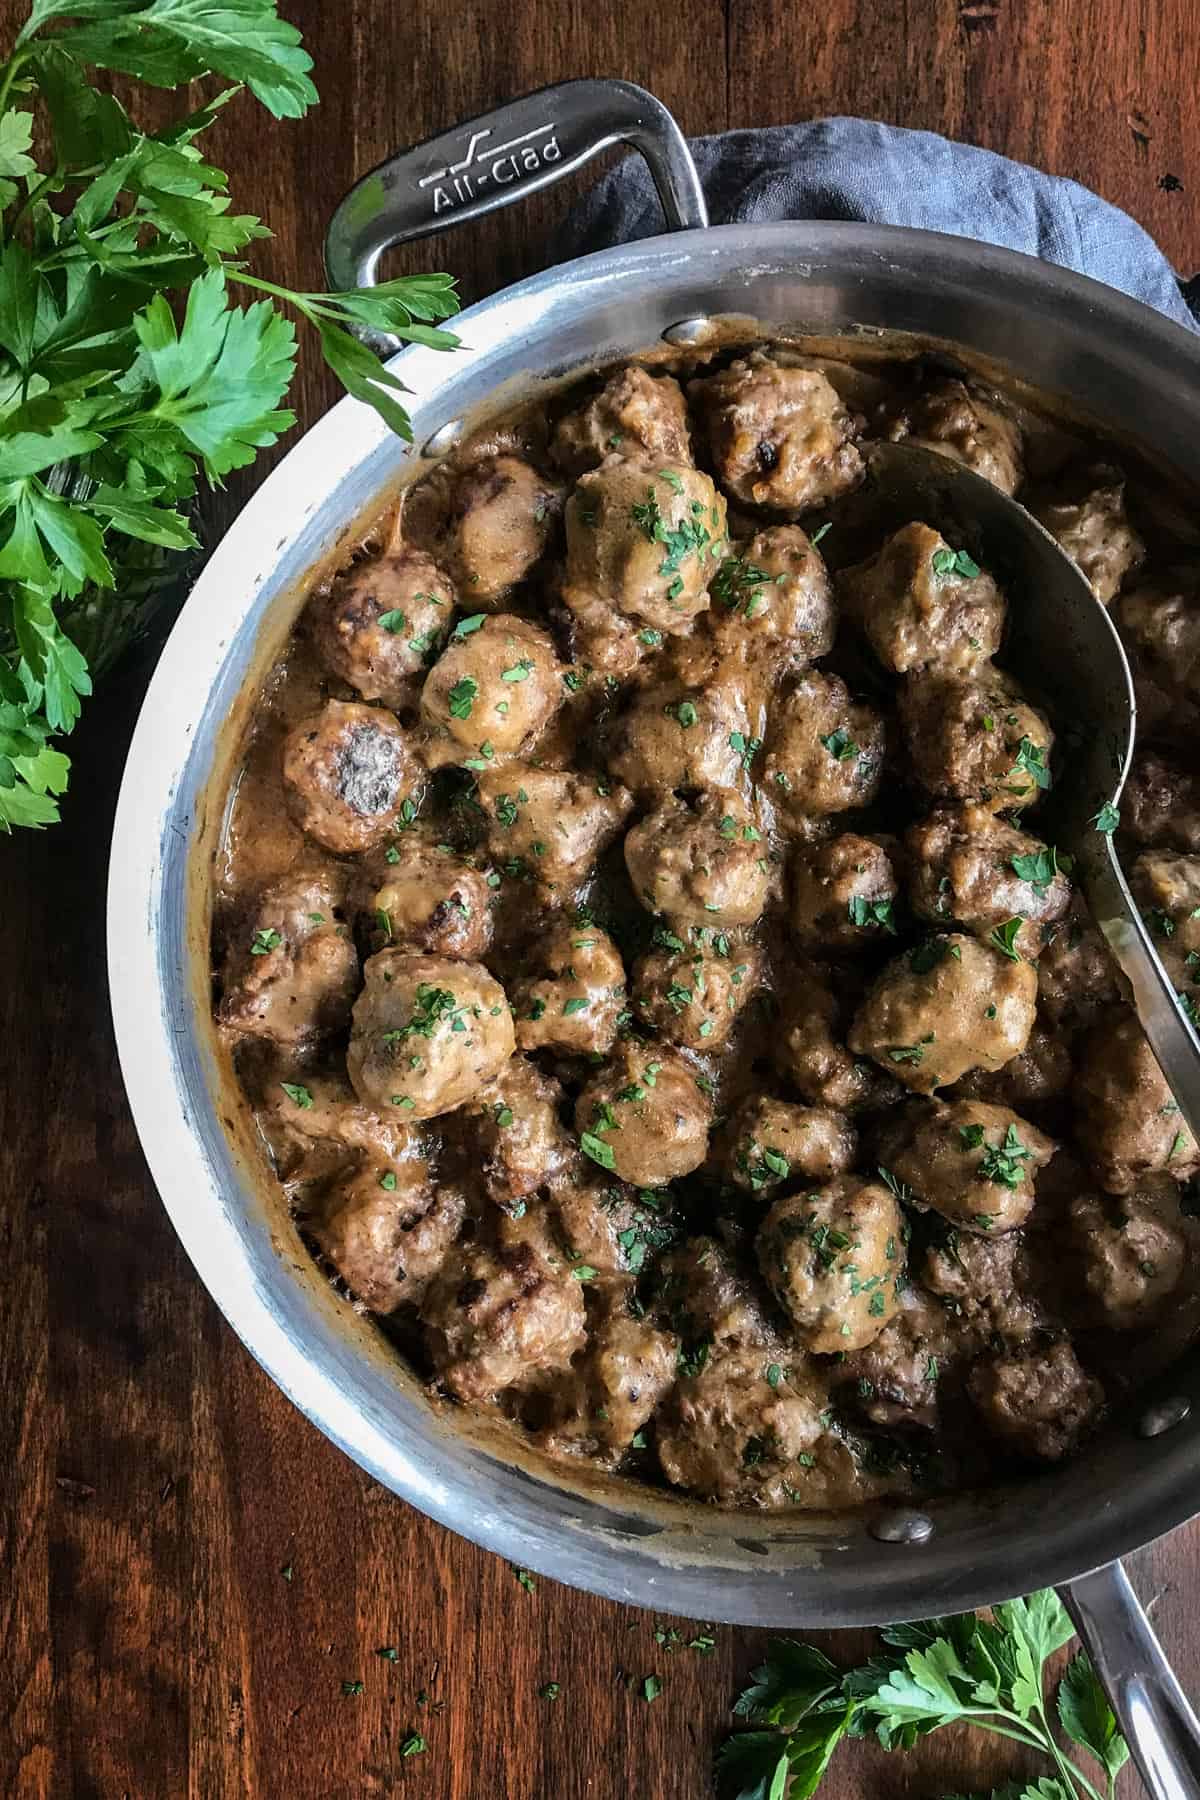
(347, 771)
(644, 541)
(1167, 888)
(572, 992)
(377, 623)
(775, 594)
(922, 605)
(809, 1045)
(636, 415)
(1160, 621)
(1042, 1072)
(731, 1433)
(428, 1033)
(1089, 519)
(1077, 978)
(491, 693)
(1161, 804)
(691, 995)
(976, 739)
(709, 1299)
(613, 1229)
(519, 1131)
(499, 523)
(320, 1133)
(554, 821)
(1128, 1123)
(967, 866)
(974, 1164)
(499, 1319)
(834, 1260)
(779, 437)
(431, 900)
(967, 424)
(1133, 1252)
(770, 1141)
(291, 969)
(893, 1381)
(843, 895)
(387, 1234)
(825, 750)
(644, 1116)
(982, 1282)
(701, 865)
(614, 1387)
(673, 736)
(948, 1006)
(1037, 1401)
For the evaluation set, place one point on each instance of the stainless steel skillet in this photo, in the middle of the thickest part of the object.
(1108, 356)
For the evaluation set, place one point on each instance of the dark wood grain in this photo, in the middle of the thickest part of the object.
(154, 1486)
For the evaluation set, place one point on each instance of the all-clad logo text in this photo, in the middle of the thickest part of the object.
(486, 165)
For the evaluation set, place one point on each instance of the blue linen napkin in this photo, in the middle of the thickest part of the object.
(882, 174)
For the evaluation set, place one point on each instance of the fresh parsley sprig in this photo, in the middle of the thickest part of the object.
(988, 1672)
(113, 400)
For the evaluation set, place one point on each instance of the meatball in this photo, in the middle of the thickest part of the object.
(388, 1237)
(428, 1033)
(701, 865)
(1089, 519)
(843, 895)
(1160, 621)
(1167, 888)
(1128, 1123)
(775, 594)
(768, 1142)
(976, 739)
(710, 1301)
(893, 1381)
(614, 1229)
(498, 526)
(376, 624)
(674, 736)
(967, 866)
(1161, 804)
(731, 1433)
(809, 1045)
(347, 771)
(637, 415)
(291, 972)
(615, 1386)
(780, 437)
(492, 692)
(825, 750)
(922, 605)
(834, 1261)
(519, 1133)
(974, 1164)
(496, 1319)
(1133, 1253)
(947, 1006)
(691, 995)
(1077, 978)
(644, 1116)
(572, 993)
(646, 542)
(1037, 1401)
(554, 821)
(982, 1281)
(320, 1133)
(963, 423)
(1042, 1072)
(430, 900)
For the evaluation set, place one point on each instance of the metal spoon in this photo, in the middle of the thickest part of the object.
(1063, 647)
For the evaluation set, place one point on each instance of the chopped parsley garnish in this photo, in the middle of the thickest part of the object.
(865, 912)
(1004, 939)
(297, 1094)
(414, 1745)
(928, 955)
(584, 1272)
(1003, 1166)
(1106, 820)
(971, 1135)
(265, 941)
(573, 1006)
(651, 638)
(431, 1006)
(503, 1115)
(684, 712)
(1038, 869)
(692, 1357)
(737, 584)
(1031, 760)
(746, 748)
(819, 533)
(525, 1578)
(1178, 1143)
(774, 1375)
(597, 1149)
(651, 1688)
(910, 1053)
(689, 538)
(841, 746)
(520, 671)
(465, 627)
(462, 697)
(1160, 921)
(948, 562)
(387, 1181)
(549, 1690)
(393, 621)
(901, 1189)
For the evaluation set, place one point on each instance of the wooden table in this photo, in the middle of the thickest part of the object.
(189, 1572)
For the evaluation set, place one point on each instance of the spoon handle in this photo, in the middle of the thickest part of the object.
(1171, 1037)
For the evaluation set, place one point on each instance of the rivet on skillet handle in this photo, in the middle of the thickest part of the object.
(1151, 1707)
(500, 157)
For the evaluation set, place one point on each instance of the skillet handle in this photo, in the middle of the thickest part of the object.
(1153, 1712)
(500, 157)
